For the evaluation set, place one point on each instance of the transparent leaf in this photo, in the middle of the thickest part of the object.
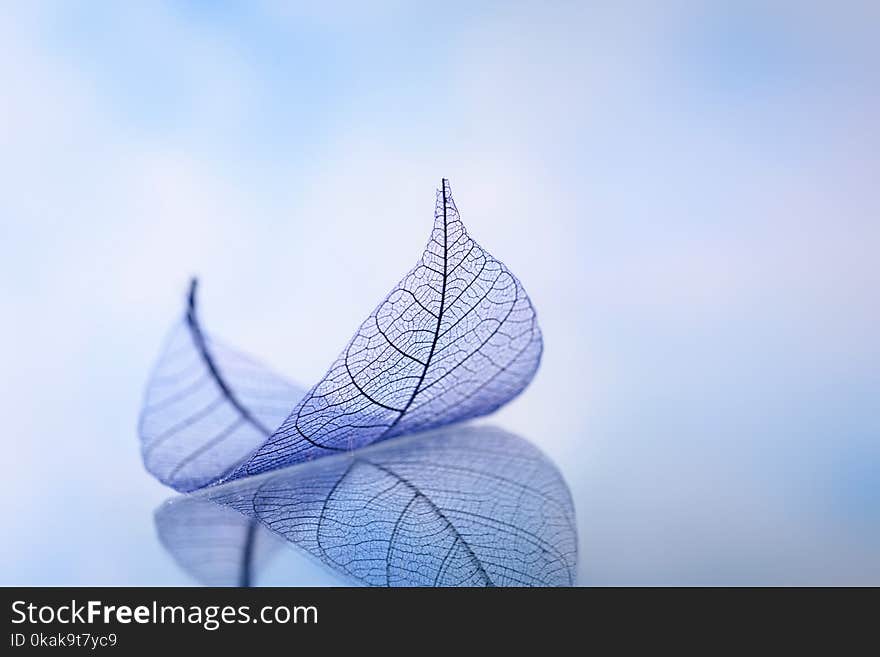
(456, 338)
(207, 407)
(462, 506)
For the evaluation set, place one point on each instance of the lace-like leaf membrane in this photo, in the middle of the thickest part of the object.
(207, 407)
(461, 506)
(456, 338)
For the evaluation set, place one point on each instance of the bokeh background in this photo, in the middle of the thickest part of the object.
(687, 190)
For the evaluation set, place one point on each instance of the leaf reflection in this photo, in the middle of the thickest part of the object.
(462, 506)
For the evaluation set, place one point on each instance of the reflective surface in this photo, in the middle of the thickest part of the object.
(465, 506)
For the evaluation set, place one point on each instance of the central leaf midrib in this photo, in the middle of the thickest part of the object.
(439, 318)
(205, 353)
(417, 492)
(247, 556)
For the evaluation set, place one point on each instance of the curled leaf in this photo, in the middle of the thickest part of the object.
(207, 407)
(455, 339)
(463, 506)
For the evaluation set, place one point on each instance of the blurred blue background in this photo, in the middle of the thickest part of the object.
(688, 193)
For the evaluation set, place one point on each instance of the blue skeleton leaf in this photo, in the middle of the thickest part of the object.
(207, 406)
(456, 338)
(460, 506)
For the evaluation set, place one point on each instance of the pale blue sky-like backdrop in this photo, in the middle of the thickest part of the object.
(688, 191)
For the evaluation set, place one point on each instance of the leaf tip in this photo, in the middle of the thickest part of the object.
(191, 295)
